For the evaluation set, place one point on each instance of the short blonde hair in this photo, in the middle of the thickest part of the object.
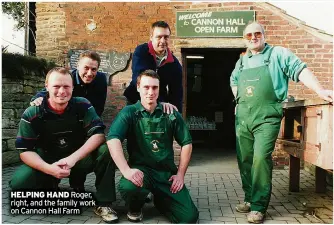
(60, 70)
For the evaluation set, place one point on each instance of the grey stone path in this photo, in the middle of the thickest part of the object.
(215, 188)
(215, 195)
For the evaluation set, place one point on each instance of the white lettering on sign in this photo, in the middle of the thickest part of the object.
(207, 22)
(238, 21)
(195, 15)
(227, 29)
(204, 30)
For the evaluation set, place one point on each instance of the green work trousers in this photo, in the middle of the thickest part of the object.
(257, 129)
(98, 161)
(178, 207)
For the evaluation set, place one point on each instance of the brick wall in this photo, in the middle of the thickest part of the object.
(122, 26)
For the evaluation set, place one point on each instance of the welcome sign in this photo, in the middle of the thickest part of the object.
(212, 24)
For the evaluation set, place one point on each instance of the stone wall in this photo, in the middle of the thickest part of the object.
(16, 94)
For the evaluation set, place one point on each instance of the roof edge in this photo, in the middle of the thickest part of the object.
(321, 34)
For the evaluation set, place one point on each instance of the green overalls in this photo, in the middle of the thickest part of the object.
(155, 158)
(58, 139)
(258, 119)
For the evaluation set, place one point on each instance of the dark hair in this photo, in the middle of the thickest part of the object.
(60, 70)
(162, 24)
(92, 55)
(148, 73)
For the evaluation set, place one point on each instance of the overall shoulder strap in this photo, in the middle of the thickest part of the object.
(241, 63)
(267, 60)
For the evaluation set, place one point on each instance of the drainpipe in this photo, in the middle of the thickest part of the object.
(26, 28)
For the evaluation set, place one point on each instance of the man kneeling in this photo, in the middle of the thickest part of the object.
(64, 137)
(150, 133)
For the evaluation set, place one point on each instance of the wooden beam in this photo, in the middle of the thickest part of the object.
(294, 174)
(320, 180)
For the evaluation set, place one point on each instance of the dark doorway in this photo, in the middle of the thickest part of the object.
(209, 98)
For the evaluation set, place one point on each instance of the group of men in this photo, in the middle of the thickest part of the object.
(62, 135)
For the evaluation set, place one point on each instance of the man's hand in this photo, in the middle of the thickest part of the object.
(168, 108)
(66, 163)
(135, 176)
(178, 182)
(37, 101)
(57, 171)
(326, 95)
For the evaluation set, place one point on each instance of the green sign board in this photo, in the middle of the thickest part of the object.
(212, 24)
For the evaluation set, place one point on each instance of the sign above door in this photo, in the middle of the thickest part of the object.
(212, 24)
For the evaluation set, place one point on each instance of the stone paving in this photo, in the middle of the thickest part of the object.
(215, 195)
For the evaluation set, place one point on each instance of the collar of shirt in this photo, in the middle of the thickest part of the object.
(141, 108)
(78, 79)
(266, 47)
(47, 109)
(160, 59)
(169, 58)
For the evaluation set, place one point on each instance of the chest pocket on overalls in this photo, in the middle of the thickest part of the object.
(249, 82)
(155, 132)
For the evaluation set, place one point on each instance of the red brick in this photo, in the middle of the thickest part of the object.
(124, 25)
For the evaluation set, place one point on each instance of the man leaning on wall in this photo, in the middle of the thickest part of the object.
(260, 83)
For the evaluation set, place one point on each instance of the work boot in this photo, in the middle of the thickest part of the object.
(135, 216)
(107, 213)
(243, 207)
(255, 217)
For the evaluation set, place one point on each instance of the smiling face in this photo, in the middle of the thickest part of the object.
(60, 88)
(254, 37)
(87, 69)
(148, 89)
(160, 39)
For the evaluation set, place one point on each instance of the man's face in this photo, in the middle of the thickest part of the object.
(60, 88)
(87, 69)
(148, 90)
(254, 38)
(160, 39)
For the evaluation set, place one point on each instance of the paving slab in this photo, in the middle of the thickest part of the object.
(215, 188)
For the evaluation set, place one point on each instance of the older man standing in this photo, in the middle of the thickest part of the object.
(259, 83)
(64, 137)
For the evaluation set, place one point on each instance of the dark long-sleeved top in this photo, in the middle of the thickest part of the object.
(95, 92)
(170, 73)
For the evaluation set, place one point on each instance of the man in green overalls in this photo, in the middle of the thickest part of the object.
(150, 133)
(260, 83)
(61, 137)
